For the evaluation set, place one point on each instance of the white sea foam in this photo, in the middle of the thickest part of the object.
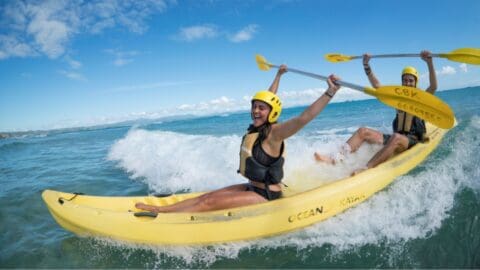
(335, 131)
(466, 155)
(173, 162)
(414, 206)
(302, 172)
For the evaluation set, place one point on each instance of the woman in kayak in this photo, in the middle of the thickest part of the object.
(261, 154)
(408, 130)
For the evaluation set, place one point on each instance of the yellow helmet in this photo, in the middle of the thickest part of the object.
(411, 71)
(273, 101)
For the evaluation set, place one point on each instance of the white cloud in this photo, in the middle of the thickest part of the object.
(50, 24)
(308, 96)
(218, 105)
(289, 99)
(122, 58)
(447, 70)
(464, 67)
(120, 62)
(74, 64)
(126, 13)
(222, 100)
(47, 27)
(10, 46)
(245, 34)
(205, 31)
(197, 32)
(73, 75)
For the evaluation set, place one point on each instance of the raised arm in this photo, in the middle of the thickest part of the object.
(427, 57)
(368, 71)
(274, 87)
(284, 130)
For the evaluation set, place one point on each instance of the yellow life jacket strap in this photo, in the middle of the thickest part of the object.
(246, 148)
(404, 121)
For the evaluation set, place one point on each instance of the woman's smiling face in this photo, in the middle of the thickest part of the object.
(260, 112)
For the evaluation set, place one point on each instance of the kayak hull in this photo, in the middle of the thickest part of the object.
(113, 217)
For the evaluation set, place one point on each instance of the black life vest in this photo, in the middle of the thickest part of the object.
(407, 124)
(254, 170)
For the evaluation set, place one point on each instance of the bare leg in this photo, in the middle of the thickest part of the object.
(228, 197)
(324, 158)
(396, 144)
(221, 201)
(188, 202)
(363, 134)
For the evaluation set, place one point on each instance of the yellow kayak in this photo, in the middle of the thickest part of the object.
(114, 217)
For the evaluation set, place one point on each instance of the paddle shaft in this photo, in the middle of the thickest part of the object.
(397, 55)
(408, 99)
(323, 78)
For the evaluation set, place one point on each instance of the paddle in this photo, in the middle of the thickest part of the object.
(408, 99)
(463, 55)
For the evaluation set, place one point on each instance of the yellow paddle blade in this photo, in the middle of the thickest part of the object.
(262, 62)
(337, 57)
(416, 102)
(464, 55)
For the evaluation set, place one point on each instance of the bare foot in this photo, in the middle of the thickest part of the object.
(145, 207)
(325, 159)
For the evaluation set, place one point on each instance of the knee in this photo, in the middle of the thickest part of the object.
(363, 132)
(396, 138)
(399, 141)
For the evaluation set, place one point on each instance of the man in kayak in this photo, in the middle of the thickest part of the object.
(408, 130)
(261, 154)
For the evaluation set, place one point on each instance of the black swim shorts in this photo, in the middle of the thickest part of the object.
(412, 140)
(269, 195)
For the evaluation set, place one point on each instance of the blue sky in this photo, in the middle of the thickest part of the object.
(78, 63)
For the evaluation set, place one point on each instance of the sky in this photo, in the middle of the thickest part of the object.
(82, 63)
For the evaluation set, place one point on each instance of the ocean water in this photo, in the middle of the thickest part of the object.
(428, 218)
